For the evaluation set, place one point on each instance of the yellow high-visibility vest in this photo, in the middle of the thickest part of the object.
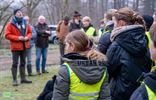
(90, 31)
(151, 94)
(82, 91)
(149, 38)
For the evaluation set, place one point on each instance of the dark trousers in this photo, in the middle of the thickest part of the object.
(16, 55)
(62, 46)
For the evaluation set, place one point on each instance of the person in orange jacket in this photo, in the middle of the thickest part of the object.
(19, 34)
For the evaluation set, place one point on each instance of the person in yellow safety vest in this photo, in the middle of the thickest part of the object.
(148, 23)
(88, 27)
(83, 76)
(147, 90)
(104, 40)
(101, 29)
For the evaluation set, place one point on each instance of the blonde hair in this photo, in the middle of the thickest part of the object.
(86, 18)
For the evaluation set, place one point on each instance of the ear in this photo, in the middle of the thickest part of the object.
(72, 47)
(122, 23)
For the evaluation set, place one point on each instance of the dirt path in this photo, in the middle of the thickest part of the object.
(6, 60)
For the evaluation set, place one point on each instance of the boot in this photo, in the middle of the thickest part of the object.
(45, 71)
(14, 75)
(29, 70)
(23, 77)
(38, 72)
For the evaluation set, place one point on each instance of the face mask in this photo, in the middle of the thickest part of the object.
(18, 19)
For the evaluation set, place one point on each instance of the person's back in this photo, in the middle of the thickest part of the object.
(147, 90)
(79, 76)
(128, 55)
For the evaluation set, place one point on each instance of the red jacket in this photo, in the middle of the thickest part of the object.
(12, 33)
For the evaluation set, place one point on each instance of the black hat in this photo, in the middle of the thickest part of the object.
(16, 10)
(148, 21)
(76, 14)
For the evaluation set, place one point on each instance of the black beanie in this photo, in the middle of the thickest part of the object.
(16, 10)
(148, 21)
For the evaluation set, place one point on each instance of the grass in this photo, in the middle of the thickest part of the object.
(24, 91)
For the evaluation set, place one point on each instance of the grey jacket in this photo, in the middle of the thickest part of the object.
(88, 71)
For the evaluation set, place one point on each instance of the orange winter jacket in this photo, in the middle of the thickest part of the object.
(12, 33)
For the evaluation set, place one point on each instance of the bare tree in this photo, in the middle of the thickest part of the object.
(4, 13)
(30, 6)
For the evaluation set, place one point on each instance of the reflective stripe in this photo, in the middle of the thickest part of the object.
(84, 94)
(71, 98)
(82, 91)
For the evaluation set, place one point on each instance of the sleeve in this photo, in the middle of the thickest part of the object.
(61, 87)
(9, 35)
(139, 94)
(104, 43)
(58, 29)
(70, 26)
(34, 34)
(113, 55)
(105, 90)
(29, 32)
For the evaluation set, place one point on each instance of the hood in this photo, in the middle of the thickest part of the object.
(150, 80)
(131, 38)
(88, 71)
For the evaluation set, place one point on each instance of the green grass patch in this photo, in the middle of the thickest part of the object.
(24, 91)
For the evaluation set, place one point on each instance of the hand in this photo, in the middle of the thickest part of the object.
(96, 55)
(21, 38)
(26, 38)
(48, 32)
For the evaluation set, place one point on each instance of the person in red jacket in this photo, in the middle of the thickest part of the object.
(19, 34)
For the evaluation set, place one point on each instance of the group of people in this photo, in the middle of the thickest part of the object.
(120, 67)
(22, 36)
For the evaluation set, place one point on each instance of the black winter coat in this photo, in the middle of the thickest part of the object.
(42, 36)
(128, 57)
(73, 26)
(105, 41)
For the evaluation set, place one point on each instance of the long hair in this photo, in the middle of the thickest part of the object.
(80, 40)
(129, 16)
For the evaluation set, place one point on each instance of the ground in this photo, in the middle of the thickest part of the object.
(25, 91)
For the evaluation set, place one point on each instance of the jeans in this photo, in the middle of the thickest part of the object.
(41, 52)
(28, 55)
